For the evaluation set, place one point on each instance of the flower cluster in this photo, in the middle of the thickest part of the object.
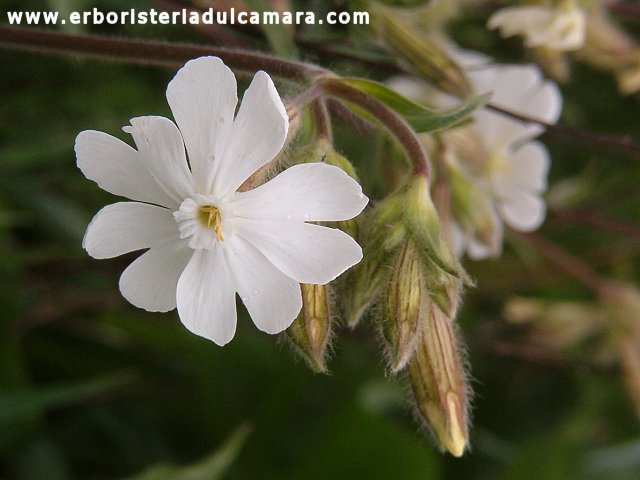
(497, 171)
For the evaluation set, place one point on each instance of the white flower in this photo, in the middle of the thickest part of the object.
(561, 28)
(508, 165)
(206, 240)
(516, 165)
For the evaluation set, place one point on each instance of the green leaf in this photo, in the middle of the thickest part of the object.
(279, 37)
(19, 404)
(421, 118)
(212, 467)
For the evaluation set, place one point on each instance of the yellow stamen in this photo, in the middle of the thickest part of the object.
(213, 219)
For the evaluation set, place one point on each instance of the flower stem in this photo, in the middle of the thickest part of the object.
(149, 52)
(322, 120)
(624, 143)
(362, 126)
(566, 262)
(390, 119)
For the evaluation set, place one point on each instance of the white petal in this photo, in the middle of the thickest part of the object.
(457, 239)
(257, 135)
(203, 98)
(272, 298)
(207, 296)
(568, 30)
(116, 168)
(161, 150)
(509, 86)
(542, 101)
(126, 227)
(150, 281)
(469, 59)
(307, 253)
(306, 192)
(530, 166)
(519, 89)
(527, 20)
(522, 210)
(479, 251)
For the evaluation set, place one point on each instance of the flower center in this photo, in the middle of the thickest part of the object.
(210, 216)
(498, 164)
(200, 221)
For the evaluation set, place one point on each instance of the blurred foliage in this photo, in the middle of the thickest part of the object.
(91, 387)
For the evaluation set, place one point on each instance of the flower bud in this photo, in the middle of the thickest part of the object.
(607, 45)
(558, 325)
(402, 306)
(310, 332)
(438, 383)
(381, 235)
(421, 52)
(611, 48)
(423, 225)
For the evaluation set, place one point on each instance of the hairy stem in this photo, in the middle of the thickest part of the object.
(337, 108)
(390, 119)
(149, 52)
(322, 120)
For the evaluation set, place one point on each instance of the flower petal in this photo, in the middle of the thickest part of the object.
(272, 298)
(307, 253)
(457, 239)
(306, 192)
(126, 227)
(530, 166)
(257, 135)
(207, 297)
(150, 281)
(526, 20)
(203, 98)
(508, 86)
(522, 210)
(116, 168)
(520, 89)
(161, 150)
(479, 251)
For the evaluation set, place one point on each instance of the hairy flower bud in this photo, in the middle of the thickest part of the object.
(382, 234)
(423, 225)
(421, 52)
(438, 383)
(402, 306)
(310, 332)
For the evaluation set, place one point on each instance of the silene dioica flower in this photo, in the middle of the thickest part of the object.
(206, 240)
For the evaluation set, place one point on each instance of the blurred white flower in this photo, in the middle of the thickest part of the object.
(206, 240)
(499, 170)
(561, 28)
